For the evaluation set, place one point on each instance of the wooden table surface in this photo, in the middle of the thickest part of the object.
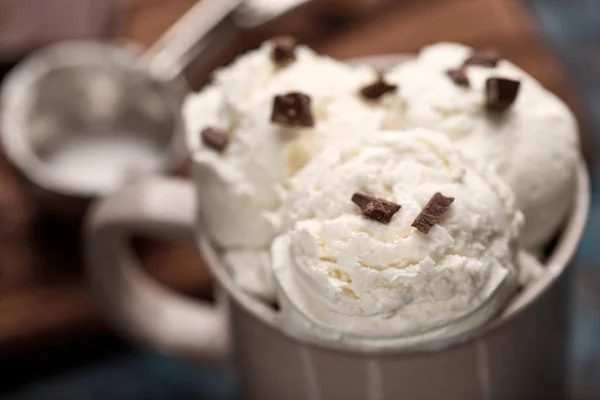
(43, 295)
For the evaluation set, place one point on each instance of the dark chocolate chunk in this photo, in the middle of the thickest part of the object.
(375, 208)
(432, 212)
(485, 58)
(215, 139)
(500, 93)
(377, 89)
(292, 109)
(284, 49)
(459, 76)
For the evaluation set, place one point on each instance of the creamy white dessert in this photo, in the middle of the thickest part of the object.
(532, 143)
(240, 185)
(343, 270)
(246, 146)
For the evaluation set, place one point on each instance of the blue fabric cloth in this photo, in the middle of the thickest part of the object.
(135, 376)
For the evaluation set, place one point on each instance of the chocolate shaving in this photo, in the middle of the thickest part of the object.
(500, 93)
(432, 212)
(292, 109)
(485, 58)
(284, 49)
(215, 139)
(375, 208)
(377, 89)
(459, 76)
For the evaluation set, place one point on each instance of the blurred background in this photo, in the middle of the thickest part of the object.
(53, 342)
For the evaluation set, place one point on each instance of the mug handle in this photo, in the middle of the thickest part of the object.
(136, 304)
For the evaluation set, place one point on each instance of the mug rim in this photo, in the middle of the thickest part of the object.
(555, 267)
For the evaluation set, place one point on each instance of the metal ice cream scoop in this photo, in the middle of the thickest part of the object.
(79, 118)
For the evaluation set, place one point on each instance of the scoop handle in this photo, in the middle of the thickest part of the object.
(137, 305)
(206, 27)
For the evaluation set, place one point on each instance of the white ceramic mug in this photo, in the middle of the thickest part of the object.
(519, 355)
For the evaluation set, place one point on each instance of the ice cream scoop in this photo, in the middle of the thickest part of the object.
(268, 114)
(497, 115)
(395, 236)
